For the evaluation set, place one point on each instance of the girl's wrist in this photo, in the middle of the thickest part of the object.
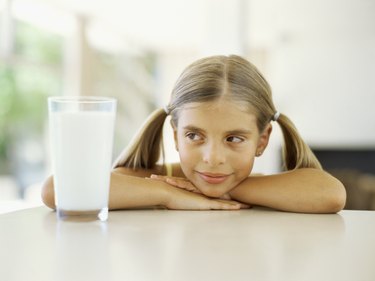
(164, 194)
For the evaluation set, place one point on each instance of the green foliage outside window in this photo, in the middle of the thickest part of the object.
(32, 73)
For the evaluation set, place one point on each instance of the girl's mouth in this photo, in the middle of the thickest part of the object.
(213, 178)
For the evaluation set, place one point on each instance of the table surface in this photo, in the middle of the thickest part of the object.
(255, 244)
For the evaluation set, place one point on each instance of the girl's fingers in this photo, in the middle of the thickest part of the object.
(180, 199)
(238, 205)
(177, 182)
(157, 177)
(181, 183)
(220, 205)
(223, 202)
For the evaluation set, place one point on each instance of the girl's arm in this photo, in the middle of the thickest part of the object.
(301, 190)
(130, 189)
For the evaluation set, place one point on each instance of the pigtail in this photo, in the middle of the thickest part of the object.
(296, 153)
(145, 148)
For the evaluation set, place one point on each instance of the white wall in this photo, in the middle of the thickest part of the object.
(321, 64)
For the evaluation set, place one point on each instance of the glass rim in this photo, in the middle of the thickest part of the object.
(81, 99)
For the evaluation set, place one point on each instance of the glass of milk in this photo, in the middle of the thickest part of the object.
(81, 134)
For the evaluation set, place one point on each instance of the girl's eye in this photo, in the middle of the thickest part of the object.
(193, 136)
(234, 139)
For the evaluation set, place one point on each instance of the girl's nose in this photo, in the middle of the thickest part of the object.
(214, 154)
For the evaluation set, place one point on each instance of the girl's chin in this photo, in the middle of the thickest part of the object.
(213, 190)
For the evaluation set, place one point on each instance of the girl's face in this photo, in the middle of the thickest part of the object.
(217, 143)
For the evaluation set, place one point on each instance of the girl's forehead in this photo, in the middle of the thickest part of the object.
(220, 106)
(219, 113)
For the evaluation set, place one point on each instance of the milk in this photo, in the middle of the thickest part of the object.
(81, 153)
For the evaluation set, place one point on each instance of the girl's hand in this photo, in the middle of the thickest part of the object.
(184, 184)
(179, 199)
(200, 201)
(177, 182)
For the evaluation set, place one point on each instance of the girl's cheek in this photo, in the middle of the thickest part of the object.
(244, 168)
(188, 156)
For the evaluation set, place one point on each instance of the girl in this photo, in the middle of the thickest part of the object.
(221, 111)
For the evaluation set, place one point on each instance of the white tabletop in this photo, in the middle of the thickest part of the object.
(255, 244)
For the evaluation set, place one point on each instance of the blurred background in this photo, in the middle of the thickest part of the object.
(318, 56)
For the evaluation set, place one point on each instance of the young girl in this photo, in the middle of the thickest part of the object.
(221, 112)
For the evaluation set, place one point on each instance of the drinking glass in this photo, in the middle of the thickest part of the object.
(81, 136)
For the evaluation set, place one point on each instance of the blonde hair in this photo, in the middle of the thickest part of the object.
(208, 79)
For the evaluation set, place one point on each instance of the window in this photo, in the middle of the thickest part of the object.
(41, 58)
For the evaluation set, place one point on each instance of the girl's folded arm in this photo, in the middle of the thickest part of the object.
(304, 190)
(126, 191)
(131, 189)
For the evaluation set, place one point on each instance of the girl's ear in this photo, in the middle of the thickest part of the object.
(263, 140)
(175, 135)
